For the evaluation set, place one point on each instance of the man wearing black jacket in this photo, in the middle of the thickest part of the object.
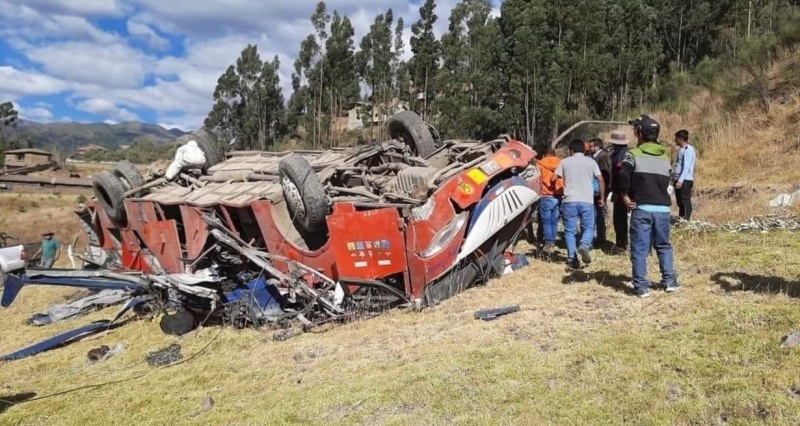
(643, 183)
(619, 143)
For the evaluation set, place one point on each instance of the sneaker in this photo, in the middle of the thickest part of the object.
(549, 248)
(573, 265)
(644, 295)
(673, 288)
(586, 257)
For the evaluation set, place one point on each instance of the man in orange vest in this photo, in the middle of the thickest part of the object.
(550, 202)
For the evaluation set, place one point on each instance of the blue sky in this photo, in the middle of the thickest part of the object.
(152, 60)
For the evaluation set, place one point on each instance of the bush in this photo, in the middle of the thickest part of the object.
(81, 199)
(707, 73)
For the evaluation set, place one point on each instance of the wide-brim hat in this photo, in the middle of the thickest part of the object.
(618, 138)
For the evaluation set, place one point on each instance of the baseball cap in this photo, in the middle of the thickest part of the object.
(645, 123)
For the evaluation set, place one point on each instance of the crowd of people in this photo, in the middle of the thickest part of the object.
(575, 189)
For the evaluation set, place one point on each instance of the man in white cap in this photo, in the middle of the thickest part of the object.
(619, 143)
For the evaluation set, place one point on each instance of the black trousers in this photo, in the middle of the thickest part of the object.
(621, 223)
(600, 214)
(683, 197)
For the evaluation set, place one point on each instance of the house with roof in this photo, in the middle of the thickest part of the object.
(27, 157)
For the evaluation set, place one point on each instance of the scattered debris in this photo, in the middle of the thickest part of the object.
(178, 324)
(61, 312)
(104, 352)
(790, 340)
(165, 356)
(491, 314)
(514, 262)
(98, 354)
(208, 404)
(773, 222)
(785, 200)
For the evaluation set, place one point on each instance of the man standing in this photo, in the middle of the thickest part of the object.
(550, 202)
(643, 183)
(683, 177)
(578, 171)
(50, 251)
(619, 143)
(601, 210)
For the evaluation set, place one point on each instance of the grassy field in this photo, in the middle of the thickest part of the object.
(581, 351)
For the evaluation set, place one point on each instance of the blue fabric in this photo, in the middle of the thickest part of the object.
(684, 166)
(549, 207)
(651, 229)
(653, 208)
(573, 212)
(596, 187)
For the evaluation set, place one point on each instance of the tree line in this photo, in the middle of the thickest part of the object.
(534, 69)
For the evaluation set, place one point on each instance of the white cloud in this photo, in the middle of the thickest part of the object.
(108, 109)
(22, 25)
(106, 75)
(143, 32)
(16, 82)
(79, 7)
(38, 114)
(111, 65)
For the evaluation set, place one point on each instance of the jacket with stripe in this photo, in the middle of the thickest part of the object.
(645, 175)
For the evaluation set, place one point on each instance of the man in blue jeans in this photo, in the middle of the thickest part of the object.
(551, 192)
(644, 179)
(578, 172)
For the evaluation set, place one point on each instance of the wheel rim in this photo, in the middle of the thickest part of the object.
(125, 183)
(293, 197)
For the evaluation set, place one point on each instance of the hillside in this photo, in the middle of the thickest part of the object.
(747, 156)
(69, 136)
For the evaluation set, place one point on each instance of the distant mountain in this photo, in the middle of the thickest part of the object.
(70, 136)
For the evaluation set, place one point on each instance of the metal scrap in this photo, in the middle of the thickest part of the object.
(492, 314)
(773, 222)
(61, 312)
(104, 352)
(164, 356)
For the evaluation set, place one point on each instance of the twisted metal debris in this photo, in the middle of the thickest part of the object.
(772, 222)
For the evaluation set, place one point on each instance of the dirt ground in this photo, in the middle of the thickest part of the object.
(580, 351)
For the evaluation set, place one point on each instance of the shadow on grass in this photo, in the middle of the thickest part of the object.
(741, 281)
(8, 401)
(604, 278)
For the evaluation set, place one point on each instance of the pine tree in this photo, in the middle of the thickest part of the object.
(341, 65)
(424, 64)
(248, 102)
(320, 20)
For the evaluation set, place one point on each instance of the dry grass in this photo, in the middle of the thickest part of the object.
(744, 147)
(581, 351)
(26, 216)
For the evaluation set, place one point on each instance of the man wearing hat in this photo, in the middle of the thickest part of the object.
(50, 250)
(619, 144)
(643, 182)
